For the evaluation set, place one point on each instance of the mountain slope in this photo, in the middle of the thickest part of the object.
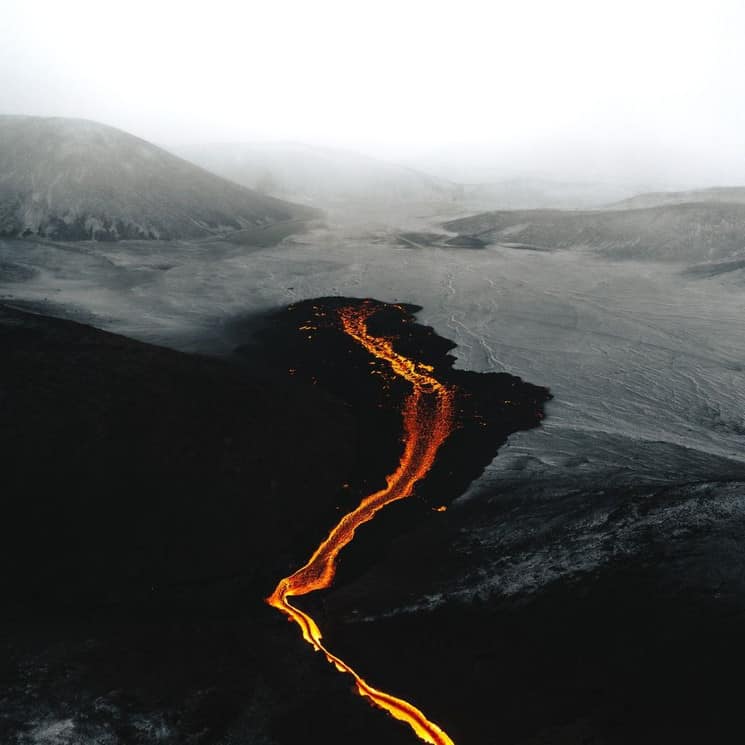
(71, 179)
(720, 194)
(683, 232)
(319, 175)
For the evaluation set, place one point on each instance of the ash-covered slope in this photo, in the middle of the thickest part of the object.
(721, 194)
(682, 232)
(72, 179)
(318, 175)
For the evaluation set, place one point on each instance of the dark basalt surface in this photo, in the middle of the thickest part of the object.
(307, 341)
(151, 499)
(638, 639)
(643, 646)
(129, 469)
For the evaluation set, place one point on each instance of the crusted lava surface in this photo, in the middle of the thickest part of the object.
(307, 342)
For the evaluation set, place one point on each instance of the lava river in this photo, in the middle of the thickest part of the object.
(427, 421)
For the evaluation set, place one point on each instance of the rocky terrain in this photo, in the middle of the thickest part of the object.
(143, 483)
(130, 464)
(71, 179)
(581, 589)
(150, 499)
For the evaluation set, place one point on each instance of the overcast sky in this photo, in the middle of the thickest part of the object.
(628, 89)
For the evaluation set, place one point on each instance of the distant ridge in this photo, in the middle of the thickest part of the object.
(319, 175)
(73, 179)
(687, 232)
(720, 194)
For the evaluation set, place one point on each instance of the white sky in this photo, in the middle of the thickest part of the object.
(582, 88)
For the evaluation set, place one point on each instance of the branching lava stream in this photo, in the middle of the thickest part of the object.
(427, 421)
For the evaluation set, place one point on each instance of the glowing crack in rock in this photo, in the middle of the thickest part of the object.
(427, 421)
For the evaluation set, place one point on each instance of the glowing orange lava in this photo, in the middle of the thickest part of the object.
(427, 422)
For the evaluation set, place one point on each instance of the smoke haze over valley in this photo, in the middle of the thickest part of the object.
(646, 94)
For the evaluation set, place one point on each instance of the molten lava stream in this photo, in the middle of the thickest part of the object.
(427, 422)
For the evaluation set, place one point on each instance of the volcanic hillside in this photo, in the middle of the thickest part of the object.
(697, 232)
(72, 179)
(721, 194)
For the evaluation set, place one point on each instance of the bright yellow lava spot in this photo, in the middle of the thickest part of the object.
(427, 422)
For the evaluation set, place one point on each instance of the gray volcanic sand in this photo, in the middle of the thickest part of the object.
(627, 347)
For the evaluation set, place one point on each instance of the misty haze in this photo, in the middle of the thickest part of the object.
(372, 374)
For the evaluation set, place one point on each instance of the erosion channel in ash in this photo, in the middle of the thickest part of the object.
(444, 424)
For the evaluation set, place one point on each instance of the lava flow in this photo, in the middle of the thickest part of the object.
(427, 422)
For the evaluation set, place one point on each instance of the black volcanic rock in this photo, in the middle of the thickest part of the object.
(152, 498)
(637, 638)
(129, 469)
(149, 499)
(307, 340)
(71, 179)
